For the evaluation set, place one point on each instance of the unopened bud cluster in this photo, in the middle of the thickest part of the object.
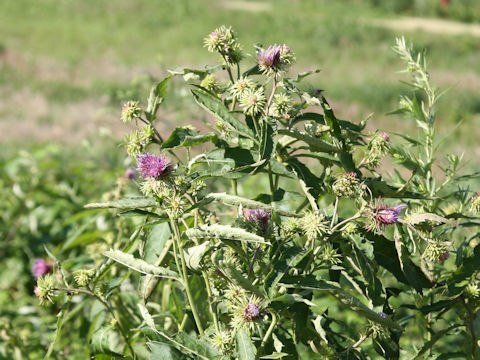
(347, 185)
(378, 147)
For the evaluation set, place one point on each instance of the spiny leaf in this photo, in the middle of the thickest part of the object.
(140, 265)
(419, 218)
(127, 203)
(224, 232)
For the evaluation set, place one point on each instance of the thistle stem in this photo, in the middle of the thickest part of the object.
(346, 221)
(213, 310)
(268, 333)
(109, 309)
(334, 212)
(193, 306)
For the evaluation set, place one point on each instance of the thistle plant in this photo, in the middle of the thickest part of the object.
(308, 266)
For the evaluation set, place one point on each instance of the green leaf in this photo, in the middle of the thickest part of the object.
(247, 203)
(276, 355)
(245, 348)
(127, 203)
(107, 341)
(186, 137)
(140, 265)
(237, 277)
(215, 107)
(314, 143)
(161, 351)
(437, 336)
(268, 143)
(157, 238)
(194, 255)
(199, 346)
(224, 232)
(157, 94)
(311, 283)
(414, 219)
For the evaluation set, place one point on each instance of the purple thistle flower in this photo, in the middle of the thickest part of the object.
(40, 268)
(387, 215)
(383, 315)
(152, 166)
(130, 173)
(252, 312)
(269, 58)
(260, 216)
(444, 256)
(385, 136)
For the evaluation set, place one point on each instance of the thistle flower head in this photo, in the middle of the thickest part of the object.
(328, 255)
(281, 106)
(252, 312)
(242, 85)
(40, 268)
(246, 312)
(133, 143)
(313, 225)
(475, 203)
(472, 290)
(45, 288)
(376, 330)
(275, 58)
(260, 216)
(346, 185)
(253, 101)
(209, 82)
(83, 277)
(224, 41)
(220, 39)
(222, 341)
(130, 173)
(130, 111)
(379, 215)
(436, 252)
(152, 166)
(383, 315)
(377, 148)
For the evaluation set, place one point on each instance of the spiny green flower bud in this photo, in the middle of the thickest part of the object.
(246, 312)
(130, 111)
(436, 251)
(405, 103)
(350, 229)
(221, 39)
(376, 330)
(133, 143)
(222, 341)
(83, 277)
(209, 82)
(377, 148)
(281, 106)
(147, 135)
(472, 290)
(153, 187)
(346, 185)
(327, 254)
(252, 102)
(242, 85)
(292, 225)
(475, 203)
(314, 225)
(45, 289)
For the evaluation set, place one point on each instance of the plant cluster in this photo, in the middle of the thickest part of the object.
(277, 235)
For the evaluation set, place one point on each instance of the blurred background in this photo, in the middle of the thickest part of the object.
(66, 68)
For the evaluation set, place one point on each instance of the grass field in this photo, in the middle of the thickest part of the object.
(66, 66)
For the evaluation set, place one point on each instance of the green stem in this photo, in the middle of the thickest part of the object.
(193, 306)
(213, 310)
(109, 309)
(270, 179)
(334, 212)
(268, 333)
(354, 217)
(234, 187)
(471, 327)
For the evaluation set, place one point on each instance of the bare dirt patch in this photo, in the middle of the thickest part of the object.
(436, 26)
